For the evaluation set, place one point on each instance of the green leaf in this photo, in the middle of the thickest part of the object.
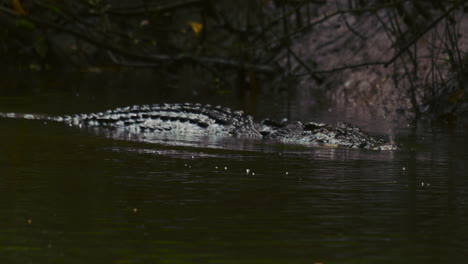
(40, 45)
(24, 23)
(34, 67)
(456, 95)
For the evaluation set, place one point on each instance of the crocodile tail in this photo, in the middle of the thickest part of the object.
(26, 116)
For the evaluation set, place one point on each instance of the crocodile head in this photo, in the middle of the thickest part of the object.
(339, 135)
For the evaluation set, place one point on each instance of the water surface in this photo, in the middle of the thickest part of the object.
(72, 196)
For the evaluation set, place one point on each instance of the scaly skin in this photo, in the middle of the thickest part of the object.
(207, 120)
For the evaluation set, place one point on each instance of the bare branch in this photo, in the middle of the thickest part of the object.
(159, 8)
(324, 18)
(143, 56)
(423, 32)
(344, 67)
(395, 57)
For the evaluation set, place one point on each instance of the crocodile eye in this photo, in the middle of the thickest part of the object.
(203, 124)
(310, 127)
(362, 145)
(271, 123)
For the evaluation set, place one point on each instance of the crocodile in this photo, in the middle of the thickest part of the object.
(190, 119)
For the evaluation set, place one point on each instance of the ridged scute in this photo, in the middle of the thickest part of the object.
(170, 118)
(208, 120)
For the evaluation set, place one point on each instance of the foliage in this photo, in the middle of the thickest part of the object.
(238, 43)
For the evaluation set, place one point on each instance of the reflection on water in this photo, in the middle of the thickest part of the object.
(71, 196)
(200, 142)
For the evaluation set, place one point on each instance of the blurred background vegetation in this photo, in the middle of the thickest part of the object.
(389, 58)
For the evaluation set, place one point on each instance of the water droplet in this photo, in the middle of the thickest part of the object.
(287, 173)
(404, 168)
(225, 168)
(247, 171)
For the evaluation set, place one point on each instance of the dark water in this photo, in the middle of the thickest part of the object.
(70, 196)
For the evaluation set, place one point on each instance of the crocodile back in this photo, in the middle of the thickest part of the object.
(144, 121)
(170, 118)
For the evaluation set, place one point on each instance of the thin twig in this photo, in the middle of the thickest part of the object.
(324, 18)
(158, 8)
(143, 56)
(396, 56)
(421, 33)
(308, 69)
(350, 28)
(344, 67)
